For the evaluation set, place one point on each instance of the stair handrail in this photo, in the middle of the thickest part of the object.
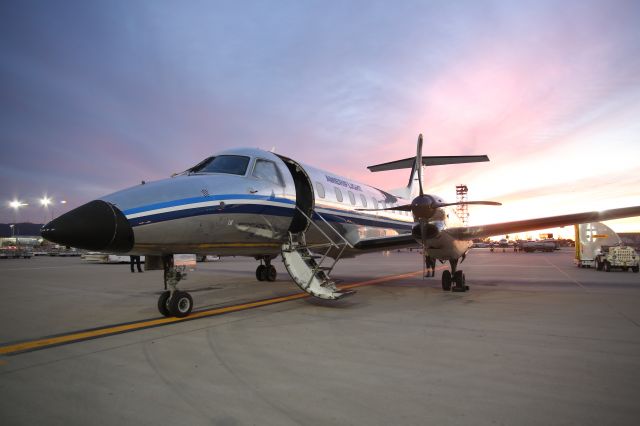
(320, 229)
(334, 229)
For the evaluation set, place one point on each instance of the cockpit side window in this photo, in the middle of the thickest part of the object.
(267, 170)
(228, 164)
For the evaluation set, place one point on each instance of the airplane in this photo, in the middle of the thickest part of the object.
(251, 202)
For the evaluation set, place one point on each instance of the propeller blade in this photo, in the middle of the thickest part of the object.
(482, 203)
(417, 208)
(419, 163)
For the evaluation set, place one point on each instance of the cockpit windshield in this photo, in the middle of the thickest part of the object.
(229, 164)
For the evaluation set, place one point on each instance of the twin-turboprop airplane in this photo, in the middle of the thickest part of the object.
(250, 202)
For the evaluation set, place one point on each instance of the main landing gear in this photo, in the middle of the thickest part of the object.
(454, 277)
(174, 302)
(266, 271)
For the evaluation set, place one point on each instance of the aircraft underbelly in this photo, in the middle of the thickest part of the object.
(222, 233)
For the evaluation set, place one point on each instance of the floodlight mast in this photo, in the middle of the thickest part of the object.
(15, 205)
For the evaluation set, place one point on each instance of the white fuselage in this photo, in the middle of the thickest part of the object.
(248, 214)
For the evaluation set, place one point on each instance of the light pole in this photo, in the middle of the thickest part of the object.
(45, 201)
(63, 202)
(15, 205)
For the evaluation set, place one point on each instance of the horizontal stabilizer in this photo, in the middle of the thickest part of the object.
(440, 160)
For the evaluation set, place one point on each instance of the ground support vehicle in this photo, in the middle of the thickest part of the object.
(531, 246)
(15, 253)
(618, 257)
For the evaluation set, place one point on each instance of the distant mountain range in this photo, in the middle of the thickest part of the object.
(24, 229)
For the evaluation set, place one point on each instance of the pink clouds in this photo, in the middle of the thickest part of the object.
(550, 124)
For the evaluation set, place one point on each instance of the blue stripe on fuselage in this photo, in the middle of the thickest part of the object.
(365, 221)
(194, 200)
(336, 215)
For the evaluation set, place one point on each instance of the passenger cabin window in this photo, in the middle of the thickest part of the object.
(267, 170)
(320, 189)
(228, 164)
(352, 197)
(364, 200)
(338, 194)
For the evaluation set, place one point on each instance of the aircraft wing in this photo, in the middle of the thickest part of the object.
(387, 243)
(483, 231)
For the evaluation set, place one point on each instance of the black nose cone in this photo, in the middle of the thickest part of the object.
(97, 225)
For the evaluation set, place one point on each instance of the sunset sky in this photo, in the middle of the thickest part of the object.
(99, 95)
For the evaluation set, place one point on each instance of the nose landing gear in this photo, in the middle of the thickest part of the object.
(174, 302)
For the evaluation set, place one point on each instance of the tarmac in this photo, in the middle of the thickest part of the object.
(535, 341)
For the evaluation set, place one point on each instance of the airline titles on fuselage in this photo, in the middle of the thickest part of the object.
(343, 183)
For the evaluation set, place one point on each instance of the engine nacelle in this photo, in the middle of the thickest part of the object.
(426, 231)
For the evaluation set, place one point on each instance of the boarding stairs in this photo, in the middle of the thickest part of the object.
(309, 270)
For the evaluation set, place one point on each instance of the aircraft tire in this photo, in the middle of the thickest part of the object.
(163, 303)
(446, 280)
(260, 272)
(635, 268)
(181, 304)
(459, 281)
(270, 273)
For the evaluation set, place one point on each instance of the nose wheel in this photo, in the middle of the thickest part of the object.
(173, 302)
(180, 305)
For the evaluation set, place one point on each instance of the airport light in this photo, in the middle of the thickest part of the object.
(15, 205)
(45, 202)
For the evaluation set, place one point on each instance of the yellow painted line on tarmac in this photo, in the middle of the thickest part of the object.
(43, 343)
